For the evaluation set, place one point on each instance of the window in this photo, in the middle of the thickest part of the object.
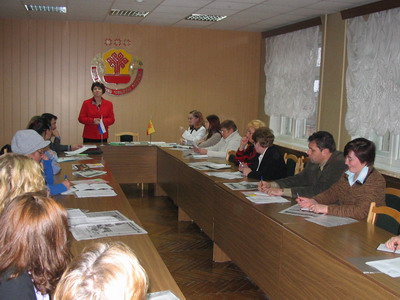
(387, 151)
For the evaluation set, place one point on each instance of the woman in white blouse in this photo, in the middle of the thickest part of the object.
(196, 130)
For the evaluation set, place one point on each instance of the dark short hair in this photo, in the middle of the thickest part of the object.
(324, 140)
(215, 125)
(98, 84)
(363, 149)
(40, 125)
(49, 116)
(264, 136)
(229, 124)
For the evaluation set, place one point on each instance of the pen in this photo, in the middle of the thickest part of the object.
(261, 178)
(65, 177)
(395, 248)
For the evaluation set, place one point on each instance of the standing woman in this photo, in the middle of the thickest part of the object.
(93, 111)
(196, 131)
(33, 247)
(213, 136)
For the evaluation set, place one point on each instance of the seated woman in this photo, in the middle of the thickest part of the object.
(268, 164)
(43, 127)
(104, 271)
(230, 141)
(246, 152)
(196, 131)
(29, 143)
(18, 175)
(352, 195)
(33, 247)
(213, 136)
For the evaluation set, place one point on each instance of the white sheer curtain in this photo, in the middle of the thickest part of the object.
(290, 70)
(373, 74)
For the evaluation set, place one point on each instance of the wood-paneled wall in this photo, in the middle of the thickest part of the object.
(45, 67)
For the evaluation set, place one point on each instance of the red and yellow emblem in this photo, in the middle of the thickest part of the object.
(118, 70)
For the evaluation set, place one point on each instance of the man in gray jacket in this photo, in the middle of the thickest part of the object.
(324, 168)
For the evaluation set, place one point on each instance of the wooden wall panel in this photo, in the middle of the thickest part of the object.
(46, 68)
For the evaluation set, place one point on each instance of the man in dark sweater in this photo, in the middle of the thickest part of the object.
(324, 168)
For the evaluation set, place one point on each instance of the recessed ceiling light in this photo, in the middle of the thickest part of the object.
(128, 13)
(208, 18)
(46, 8)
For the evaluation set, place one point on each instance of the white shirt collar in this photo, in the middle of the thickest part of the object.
(361, 177)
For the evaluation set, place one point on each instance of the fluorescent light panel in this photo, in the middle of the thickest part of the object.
(207, 18)
(128, 13)
(46, 8)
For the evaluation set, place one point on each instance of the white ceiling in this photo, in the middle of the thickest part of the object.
(243, 15)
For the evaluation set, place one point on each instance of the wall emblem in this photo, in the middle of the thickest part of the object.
(118, 70)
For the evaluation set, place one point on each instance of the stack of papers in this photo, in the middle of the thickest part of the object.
(331, 221)
(85, 190)
(242, 186)
(390, 267)
(226, 175)
(262, 198)
(205, 165)
(94, 225)
(83, 167)
(88, 173)
(296, 210)
(72, 158)
(80, 150)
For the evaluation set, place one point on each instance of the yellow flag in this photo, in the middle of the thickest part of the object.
(150, 128)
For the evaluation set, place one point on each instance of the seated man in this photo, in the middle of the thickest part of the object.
(324, 168)
(55, 139)
(230, 141)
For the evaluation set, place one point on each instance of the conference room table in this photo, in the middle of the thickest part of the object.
(286, 256)
(160, 279)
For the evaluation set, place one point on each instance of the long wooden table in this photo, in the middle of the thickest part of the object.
(159, 276)
(286, 256)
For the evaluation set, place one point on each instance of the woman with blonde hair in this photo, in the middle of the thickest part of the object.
(19, 174)
(33, 247)
(246, 152)
(106, 272)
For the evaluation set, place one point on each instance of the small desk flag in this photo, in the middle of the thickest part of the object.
(150, 128)
(102, 128)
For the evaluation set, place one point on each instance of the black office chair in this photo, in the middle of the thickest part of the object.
(127, 136)
(392, 199)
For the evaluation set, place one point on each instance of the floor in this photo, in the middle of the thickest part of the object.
(187, 251)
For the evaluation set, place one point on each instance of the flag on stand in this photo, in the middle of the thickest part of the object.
(101, 127)
(150, 128)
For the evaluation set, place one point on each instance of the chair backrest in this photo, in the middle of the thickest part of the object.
(293, 164)
(127, 136)
(5, 149)
(389, 218)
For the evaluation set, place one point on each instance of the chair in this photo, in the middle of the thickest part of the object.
(293, 164)
(5, 149)
(127, 136)
(384, 217)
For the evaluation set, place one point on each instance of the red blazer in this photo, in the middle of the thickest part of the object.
(90, 111)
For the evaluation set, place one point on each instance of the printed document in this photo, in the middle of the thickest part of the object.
(262, 198)
(390, 267)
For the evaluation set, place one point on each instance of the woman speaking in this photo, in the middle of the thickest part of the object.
(96, 114)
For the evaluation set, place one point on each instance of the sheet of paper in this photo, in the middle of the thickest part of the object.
(89, 181)
(103, 224)
(89, 173)
(262, 198)
(226, 175)
(199, 156)
(80, 150)
(164, 295)
(295, 210)
(242, 186)
(95, 193)
(382, 247)
(390, 267)
(331, 221)
(72, 158)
